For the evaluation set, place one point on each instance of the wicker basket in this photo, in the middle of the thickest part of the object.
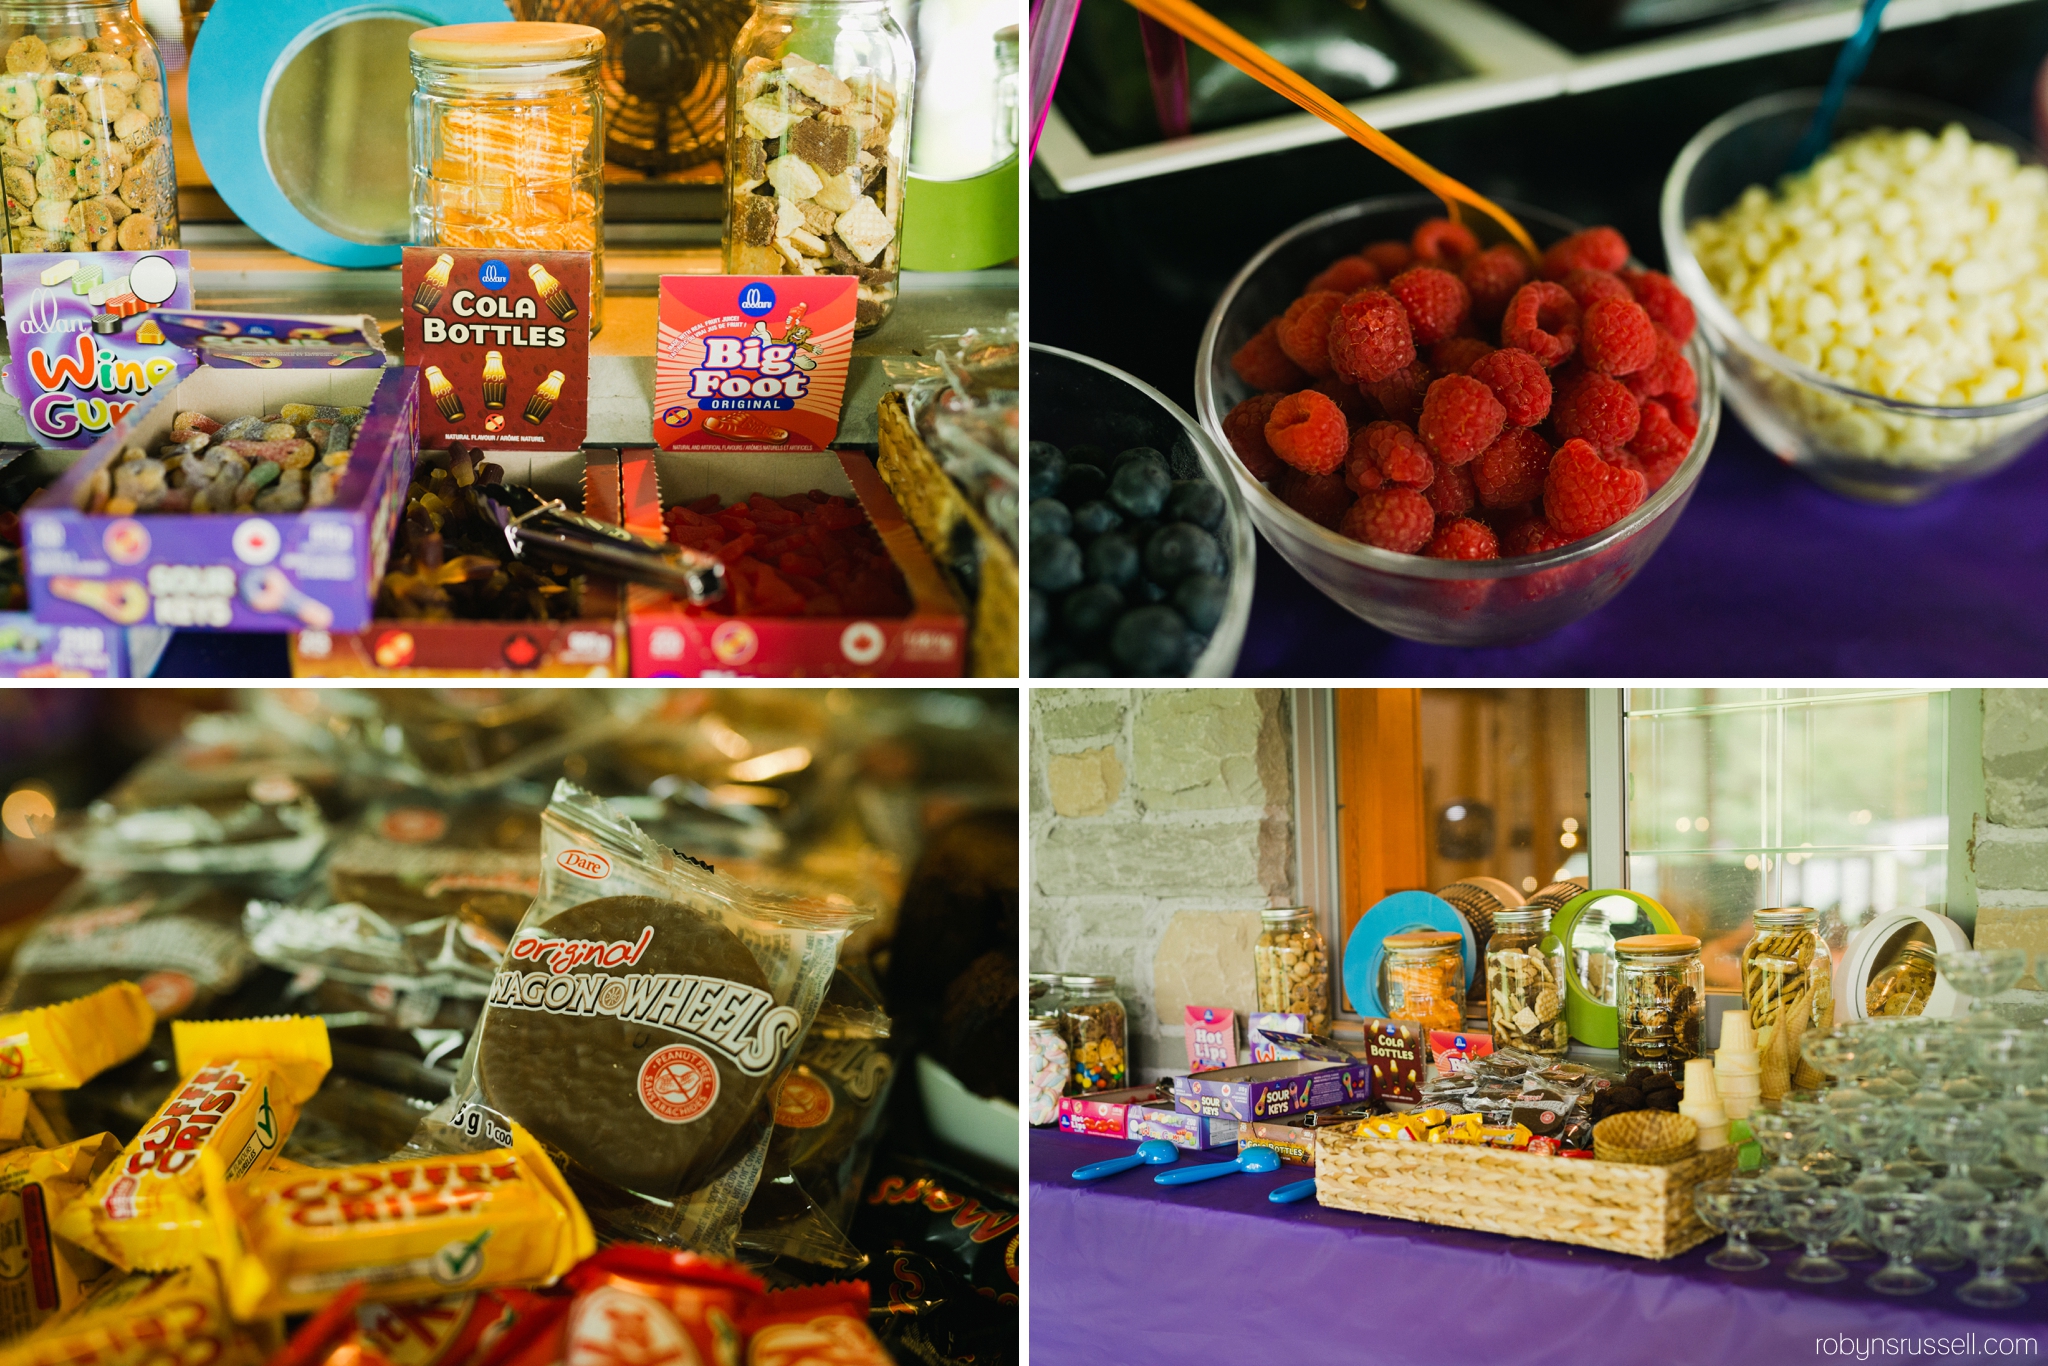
(1643, 1211)
(1647, 1138)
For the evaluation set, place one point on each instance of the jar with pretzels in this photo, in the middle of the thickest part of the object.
(1788, 986)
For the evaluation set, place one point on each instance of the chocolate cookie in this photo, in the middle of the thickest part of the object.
(635, 1035)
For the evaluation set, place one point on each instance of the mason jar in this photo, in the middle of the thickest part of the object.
(1045, 993)
(817, 144)
(1426, 978)
(1660, 1000)
(1903, 985)
(1293, 966)
(1525, 982)
(508, 141)
(1786, 966)
(1047, 1073)
(86, 130)
(1098, 1034)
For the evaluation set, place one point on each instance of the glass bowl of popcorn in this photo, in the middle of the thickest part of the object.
(1880, 319)
(1489, 602)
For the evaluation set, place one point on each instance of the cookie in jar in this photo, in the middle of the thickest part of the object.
(1293, 966)
(817, 145)
(85, 131)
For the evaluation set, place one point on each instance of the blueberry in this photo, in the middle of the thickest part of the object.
(1148, 641)
(1143, 591)
(1141, 532)
(1090, 611)
(1083, 668)
(1124, 458)
(1140, 487)
(1047, 465)
(1192, 651)
(1050, 517)
(1112, 559)
(1180, 550)
(1041, 615)
(1197, 501)
(1055, 563)
(1081, 484)
(1092, 519)
(1200, 599)
(1087, 454)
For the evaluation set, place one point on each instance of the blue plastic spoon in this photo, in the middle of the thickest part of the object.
(1153, 1152)
(1849, 64)
(1250, 1160)
(1291, 1192)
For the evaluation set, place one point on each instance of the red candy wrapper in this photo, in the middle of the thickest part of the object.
(813, 1325)
(636, 1304)
(454, 1330)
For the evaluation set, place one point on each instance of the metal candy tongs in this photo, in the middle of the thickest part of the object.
(546, 528)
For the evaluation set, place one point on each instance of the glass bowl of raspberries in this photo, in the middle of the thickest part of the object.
(1456, 443)
(1141, 552)
(1885, 337)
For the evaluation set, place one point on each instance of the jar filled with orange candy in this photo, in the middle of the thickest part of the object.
(508, 141)
(1425, 971)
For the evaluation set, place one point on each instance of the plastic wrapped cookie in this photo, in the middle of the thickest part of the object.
(85, 138)
(818, 140)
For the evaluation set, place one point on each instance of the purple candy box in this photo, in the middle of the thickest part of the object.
(1319, 1078)
(252, 571)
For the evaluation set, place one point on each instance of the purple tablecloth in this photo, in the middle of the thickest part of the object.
(1123, 1270)
(1765, 575)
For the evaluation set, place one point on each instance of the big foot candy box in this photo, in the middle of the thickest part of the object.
(824, 576)
(303, 532)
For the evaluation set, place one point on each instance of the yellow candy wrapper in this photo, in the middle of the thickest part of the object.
(288, 1241)
(244, 1083)
(40, 1275)
(144, 1320)
(62, 1047)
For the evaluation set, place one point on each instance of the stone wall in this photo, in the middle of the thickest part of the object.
(2009, 848)
(1162, 823)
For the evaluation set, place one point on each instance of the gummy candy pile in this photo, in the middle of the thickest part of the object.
(450, 561)
(290, 460)
(807, 555)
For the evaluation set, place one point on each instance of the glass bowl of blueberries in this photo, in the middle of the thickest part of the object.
(1141, 549)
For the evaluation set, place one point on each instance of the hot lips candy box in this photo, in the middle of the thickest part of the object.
(744, 363)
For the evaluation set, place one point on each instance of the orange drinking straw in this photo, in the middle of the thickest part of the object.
(1203, 29)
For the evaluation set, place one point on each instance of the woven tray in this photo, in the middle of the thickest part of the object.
(1643, 1211)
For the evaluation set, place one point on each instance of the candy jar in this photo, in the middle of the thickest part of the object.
(1293, 966)
(1525, 981)
(1902, 986)
(1098, 1035)
(86, 131)
(508, 141)
(1045, 993)
(1787, 980)
(1426, 978)
(818, 144)
(1046, 1080)
(1660, 1000)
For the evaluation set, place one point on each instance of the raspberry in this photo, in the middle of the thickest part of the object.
(1622, 460)
(1390, 257)
(1593, 249)
(1440, 242)
(1304, 331)
(1452, 492)
(1682, 413)
(1361, 472)
(1245, 425)
(1460, 418)
(1583, 493)
(1590, 407)
(1511, 470)
(1461, 538)
(1532, 536)
(1392, 519)
(1369, 338)
(1346, 275)
(1519, 382)
(1355, 406)
(1670, 374)
(1262, 364)
(1400, 394)
(1659, 444)
(1543, 320)
(1437, 302)
(1395, 453)
(1589, 287)
(1322, 498)
(1493, 276)
(1308, 431)
(1663, 300)
(1455, 356)
(1617, 338)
